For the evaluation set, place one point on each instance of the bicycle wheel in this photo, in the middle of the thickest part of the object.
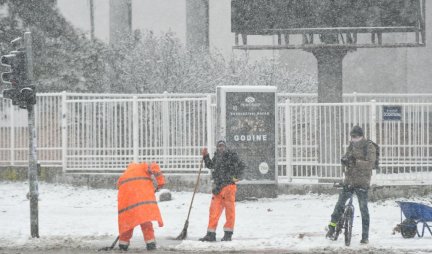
(348, 223)
(339, 227)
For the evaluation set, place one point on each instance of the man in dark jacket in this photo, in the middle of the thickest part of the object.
(227, 169)
(359, 161)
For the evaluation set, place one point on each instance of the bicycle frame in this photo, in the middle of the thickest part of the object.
(346, 220)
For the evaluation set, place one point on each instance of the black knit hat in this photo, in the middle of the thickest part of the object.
(221, 142)
(357, 131)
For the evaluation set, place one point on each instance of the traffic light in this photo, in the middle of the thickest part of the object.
(21, 93)
(7, 77)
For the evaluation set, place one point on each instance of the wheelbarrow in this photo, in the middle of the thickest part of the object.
(414, 213)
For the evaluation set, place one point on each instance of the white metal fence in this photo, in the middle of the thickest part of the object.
(88, 133)
(359, 97)
(14, 132)
(105, 134)
(320, 133)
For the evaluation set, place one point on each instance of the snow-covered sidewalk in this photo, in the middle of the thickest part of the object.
(78, 217)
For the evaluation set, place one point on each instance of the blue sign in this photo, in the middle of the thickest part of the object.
(392, 113)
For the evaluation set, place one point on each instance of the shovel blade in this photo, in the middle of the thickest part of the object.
(105, 249)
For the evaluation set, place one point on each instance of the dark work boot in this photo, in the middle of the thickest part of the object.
(123, 247)
(330, 232)
(151, 246)
(209, 237)
(227, 236)
(365, 238)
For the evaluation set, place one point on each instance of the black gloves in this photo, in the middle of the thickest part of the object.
(348, 161)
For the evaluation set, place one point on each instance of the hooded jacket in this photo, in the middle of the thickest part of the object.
(360, 172)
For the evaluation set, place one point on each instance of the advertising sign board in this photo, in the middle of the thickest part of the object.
(248, 124)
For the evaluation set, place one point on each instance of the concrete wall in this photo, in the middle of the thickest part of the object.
(375, 193)
(187, 183)
(56, 175)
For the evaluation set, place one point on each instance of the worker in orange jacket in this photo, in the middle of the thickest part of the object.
(137, 202)
(227, 169)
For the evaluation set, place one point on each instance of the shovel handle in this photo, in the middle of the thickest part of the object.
(115, 242)
(195, 189)
(111, 247)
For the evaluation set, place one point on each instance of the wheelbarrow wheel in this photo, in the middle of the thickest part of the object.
(408, 228)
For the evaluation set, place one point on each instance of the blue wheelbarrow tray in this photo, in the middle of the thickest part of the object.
(417, 212)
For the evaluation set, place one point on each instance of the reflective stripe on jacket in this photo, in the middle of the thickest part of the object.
(136, 199)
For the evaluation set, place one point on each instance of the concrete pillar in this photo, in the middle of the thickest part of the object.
(197, 25)
(330, 79)
(120, 20)
(330, 90)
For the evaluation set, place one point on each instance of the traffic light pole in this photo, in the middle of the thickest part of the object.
(32, 170)
(32, 174)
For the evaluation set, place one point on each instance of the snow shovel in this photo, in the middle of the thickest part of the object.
(111, 247)
(183, 234)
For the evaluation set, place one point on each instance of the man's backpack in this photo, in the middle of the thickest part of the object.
(365, 149)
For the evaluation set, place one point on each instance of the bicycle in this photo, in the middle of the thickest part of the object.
(346, 220)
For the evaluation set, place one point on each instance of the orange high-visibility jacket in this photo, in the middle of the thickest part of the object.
(136, 199)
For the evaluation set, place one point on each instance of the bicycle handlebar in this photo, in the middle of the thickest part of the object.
(339, 185)
(343, 185)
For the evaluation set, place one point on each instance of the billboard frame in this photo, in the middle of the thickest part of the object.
(348, 36)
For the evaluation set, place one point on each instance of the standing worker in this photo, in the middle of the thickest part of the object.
(137, 202)
(227, 169)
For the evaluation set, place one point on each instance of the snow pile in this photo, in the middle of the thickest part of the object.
(82, 218)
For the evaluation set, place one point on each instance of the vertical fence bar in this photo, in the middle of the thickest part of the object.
(373, 120)
(288, 140)
(165, 127)
(316, 143)
(209, 125)
(135, 129)
(12, 136)
(301, 113)
(428, 141)
(354, 96)
(64, 130)
(372, 127)
(310, 143)
(409, 111)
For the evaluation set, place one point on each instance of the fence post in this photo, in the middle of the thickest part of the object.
(64, 130)
(12, 136)
(165, 127)
(209, 125)
(373, 121)
(373, 131)
(135, 131)
(288, 137)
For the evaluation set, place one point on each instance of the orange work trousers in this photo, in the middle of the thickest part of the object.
(224, 200)
(147, 230)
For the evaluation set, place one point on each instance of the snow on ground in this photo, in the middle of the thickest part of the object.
(83, 218)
